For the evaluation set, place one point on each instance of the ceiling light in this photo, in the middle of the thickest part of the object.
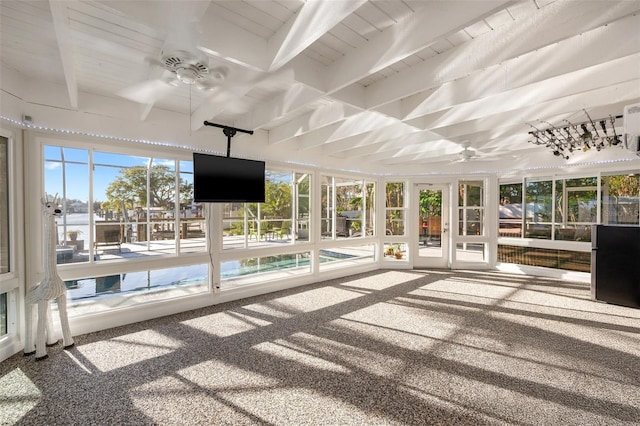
(187, 75)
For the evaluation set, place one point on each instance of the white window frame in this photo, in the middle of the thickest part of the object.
(12, 282)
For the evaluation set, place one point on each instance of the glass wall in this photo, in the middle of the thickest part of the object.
(565, 209)
(120, 207)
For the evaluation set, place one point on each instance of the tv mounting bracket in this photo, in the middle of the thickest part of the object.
(229, 132)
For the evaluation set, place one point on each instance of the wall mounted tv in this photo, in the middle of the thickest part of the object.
(227, 179)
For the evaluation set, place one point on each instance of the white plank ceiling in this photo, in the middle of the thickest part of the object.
(384, 85)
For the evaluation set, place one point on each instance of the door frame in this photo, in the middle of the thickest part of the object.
(443, 261)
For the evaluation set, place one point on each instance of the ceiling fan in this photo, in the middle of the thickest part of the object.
(472, 154)
(180, 67)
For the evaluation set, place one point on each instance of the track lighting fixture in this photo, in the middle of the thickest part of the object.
(564, 140)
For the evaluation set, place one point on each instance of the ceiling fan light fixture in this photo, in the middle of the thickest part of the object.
(187, 75)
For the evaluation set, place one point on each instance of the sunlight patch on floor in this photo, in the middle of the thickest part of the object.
(18, 395)
(130, 349)
(305, 301)
(288, 351)
(224, 324)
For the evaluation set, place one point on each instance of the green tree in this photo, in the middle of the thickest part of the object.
(430, 203)
(129, 189)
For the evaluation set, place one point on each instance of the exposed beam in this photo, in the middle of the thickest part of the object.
(63, 36)
(549, 25)
(611, 41)
(362, 122)
(503, 131)
(355, 148)
(583, 80)
(625, 91)
(313, 20)
(414, 33)
(295, 97)
(322, 116)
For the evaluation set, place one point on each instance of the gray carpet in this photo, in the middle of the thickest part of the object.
(387, 347)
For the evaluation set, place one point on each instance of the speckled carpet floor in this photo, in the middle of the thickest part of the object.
(380, 348)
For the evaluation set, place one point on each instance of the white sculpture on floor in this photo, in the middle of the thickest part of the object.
(51, 287)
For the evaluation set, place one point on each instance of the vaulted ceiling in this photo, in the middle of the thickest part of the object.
(386, 86)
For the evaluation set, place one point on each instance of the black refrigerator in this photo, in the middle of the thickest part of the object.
(615, 264)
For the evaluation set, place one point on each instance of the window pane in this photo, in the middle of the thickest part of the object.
(395, 194)
(394, 251)
(269, 223)
(3, 314)
(302, 190)
(120, 189)
(510, 210)
(471, 221)
(67, 175)
(233, 226)
(538, 208)
(120, 290)
(4, 207)
(621, 199)
(192, 223)
(349, 207)
(258, 269)
(470, 252)
(343, 257)
(395, 222)
(277, 209)
(576, 209)
(326, 207)
(470, 193)
(370, 204)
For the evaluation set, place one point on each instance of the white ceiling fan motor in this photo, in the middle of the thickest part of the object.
(188, 69)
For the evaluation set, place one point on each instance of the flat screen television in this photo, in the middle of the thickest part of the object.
(227, 179)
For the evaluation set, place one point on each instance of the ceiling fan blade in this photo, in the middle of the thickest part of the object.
(148, 91)
(274, 81)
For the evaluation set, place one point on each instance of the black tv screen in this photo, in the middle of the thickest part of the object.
(227, 179)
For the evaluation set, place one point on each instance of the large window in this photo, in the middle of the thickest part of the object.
(118, 208)
(282, 219)
(346, 207)
(565, 209)
(138, 205)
